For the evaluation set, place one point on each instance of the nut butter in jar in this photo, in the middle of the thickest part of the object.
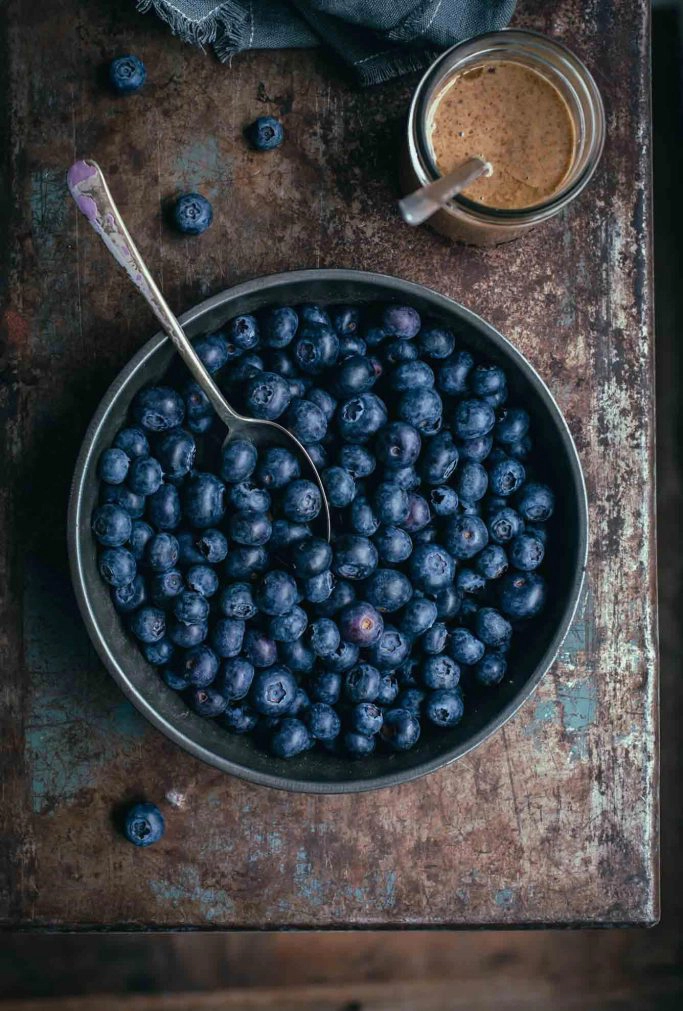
(520, 101)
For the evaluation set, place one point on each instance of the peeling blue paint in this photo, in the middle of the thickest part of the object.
(200, 166)
(309, 888)
(215, 903)
(544, 713)
(579, 702)
(504, 897)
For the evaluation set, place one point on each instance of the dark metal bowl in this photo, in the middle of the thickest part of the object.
(486, 709)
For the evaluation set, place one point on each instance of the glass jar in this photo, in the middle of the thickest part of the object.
(467, 220)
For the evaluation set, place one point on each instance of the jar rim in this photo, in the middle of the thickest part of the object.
(443, 66)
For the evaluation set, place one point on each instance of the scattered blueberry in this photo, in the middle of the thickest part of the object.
(265, 133)
(144, 824)
(192, 214)
(127, 74)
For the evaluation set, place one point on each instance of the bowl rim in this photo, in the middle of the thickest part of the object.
(77, 530)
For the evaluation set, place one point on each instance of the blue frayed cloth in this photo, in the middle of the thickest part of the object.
(376, 40)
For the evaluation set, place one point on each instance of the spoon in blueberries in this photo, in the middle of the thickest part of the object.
(89, 189)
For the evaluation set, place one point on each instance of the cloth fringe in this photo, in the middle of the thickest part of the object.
(227, 27)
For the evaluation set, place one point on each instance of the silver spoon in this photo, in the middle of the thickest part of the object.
(91, 193)
(421, 204)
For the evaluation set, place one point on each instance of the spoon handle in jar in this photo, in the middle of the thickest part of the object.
(89, 189)
(421, 204)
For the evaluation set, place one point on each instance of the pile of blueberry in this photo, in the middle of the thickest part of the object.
(438, 523)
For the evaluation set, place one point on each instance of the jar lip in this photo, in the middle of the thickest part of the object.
(417, 120)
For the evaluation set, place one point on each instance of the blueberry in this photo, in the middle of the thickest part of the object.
(366, 718)
(353, 376)
(440, 671)
(351, 345)
(322, 721)
(401, 321)
(426, 535)
(235, 679)
(471, 481)
(526, 552)
(491, 627)
(112, 526)
(203, 500)
(354, 557)
(273, 691)
(301, 501)
(360, 417)
(472, 419)
(311, 556)
(406, 674)
(419, 614)
(418, 513)
(469, 581)
(113, 466)
(388, 589)
(144, 824)
(465, 536)
(318, 589)
(208, 702)
(537, 530)
(492, 562)
(390, 651)
(522, 594)
(453, 374)
(477, 449)
(259, 648)
(265, 133)
(422, 408)
(267, 396)
(248, 497)
(247, 366)
(439, 459)
(285, 534)
(250, 528)
(443, 501)
(412, 699)
(512, 426)
(400, 730)
(362, 683)
(324, 400)
(172, 679)
(290, 739)
(212, 545)
(436, 342)
(126, 75)
(358, 745)
(398, 444)
(506, 476)
(405, 477)
(133, 442)
(375, 335)
(434, 639)
(486, 379)
(288, 627)
(200, 666)
(238, 461)
(444, 708)
(278, 326)
(158, 653)
(497, 399)
(244, 332)
(213, 350)
(317, 454)
(504, 525)
(276, 593)
(361, 623)
(187, 636)
(464, 647)
(388, 689)
(399, 352)
(490, 670)
(342, 594)
(163, 508)
(390, 502)
(316, 348)
(323, 636)
(227, 636)
(241, 719)
(339, 485)
(535, 502)
(129, 597)
(117, 566)
(431, 568)
(197, 404)
(276, 467)
(364, 519)
(326, 687)
(148, 624)
(393, 544)
(192, 214)
(305, 421)
(187, 550)
(345, 319)
(191, 608)
(176, 451)
(343, 658)
(164, 586)
(468, 610)
(162, 552)
(448, 602)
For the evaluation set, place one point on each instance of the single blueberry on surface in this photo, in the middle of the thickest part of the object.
(265, 133)
(144, 824)
(127, 74)
(192, 214)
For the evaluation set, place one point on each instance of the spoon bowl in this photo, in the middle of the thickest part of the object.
(89, 189)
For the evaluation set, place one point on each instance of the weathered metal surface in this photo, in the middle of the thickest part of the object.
(553, 821)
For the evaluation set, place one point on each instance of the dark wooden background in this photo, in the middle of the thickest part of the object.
(554, 820)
